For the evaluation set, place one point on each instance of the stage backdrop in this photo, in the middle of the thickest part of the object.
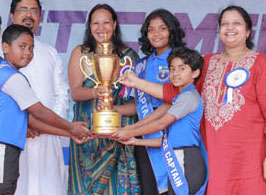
(63, 22)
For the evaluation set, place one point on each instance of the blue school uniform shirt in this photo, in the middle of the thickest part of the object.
(13, 121)
(157, 71)
(186, 131)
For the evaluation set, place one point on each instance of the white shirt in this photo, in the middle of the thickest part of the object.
(18, 88)
(46, 76)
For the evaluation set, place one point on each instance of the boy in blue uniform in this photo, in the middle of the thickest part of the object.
(181, 141)
(17, 100)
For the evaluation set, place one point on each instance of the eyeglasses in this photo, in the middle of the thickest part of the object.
(23, 11)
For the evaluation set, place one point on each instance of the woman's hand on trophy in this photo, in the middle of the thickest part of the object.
(103, 104)
(100, 92)
(129, 79)
(100, 104)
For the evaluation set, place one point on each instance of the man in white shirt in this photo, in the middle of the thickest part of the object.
(41, 162)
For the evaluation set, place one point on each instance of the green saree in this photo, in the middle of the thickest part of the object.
(102, 166)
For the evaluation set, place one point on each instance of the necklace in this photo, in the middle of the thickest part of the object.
(235, 57)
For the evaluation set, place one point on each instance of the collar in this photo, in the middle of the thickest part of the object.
(5, 63)
(162, 56)
(188, 88)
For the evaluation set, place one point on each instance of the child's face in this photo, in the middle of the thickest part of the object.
(20, 52)
(181, 75)
(158, 35)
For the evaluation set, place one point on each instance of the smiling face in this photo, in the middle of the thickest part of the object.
(158, 35)
(233, 30)
(20, 52)
(27, 13)
(181, 75)
(102, 22)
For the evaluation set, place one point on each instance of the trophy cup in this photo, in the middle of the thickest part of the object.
(105, 67)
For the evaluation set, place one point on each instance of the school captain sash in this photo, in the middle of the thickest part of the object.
(174, 170)
(144, 108)
(175, 173)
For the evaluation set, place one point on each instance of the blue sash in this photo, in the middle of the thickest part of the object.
(175, 173)
(144, 108)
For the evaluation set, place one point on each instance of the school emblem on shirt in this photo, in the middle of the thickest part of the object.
(163, 74)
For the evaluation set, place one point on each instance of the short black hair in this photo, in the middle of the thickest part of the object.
(189, 57)
(14, 31)
(246, 18)
(15, 2)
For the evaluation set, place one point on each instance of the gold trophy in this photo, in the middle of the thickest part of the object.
(105, 67)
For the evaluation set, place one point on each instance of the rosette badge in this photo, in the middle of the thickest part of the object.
(234, 79)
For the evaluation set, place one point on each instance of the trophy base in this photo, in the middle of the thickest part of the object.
(105, 122)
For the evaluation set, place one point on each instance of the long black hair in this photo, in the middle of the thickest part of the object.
(90, 42)
(246, 18)
(176, 32)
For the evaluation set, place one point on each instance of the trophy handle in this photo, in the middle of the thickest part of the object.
(123, 64)
(88, 63)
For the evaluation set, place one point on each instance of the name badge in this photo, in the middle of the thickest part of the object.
(234, 79)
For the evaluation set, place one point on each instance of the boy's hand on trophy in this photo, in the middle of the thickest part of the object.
(131, 141)
(121, 134)
(79, 129)
(129, 79)
(81, 140)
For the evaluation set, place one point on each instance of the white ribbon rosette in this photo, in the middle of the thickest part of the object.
(234, 79)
